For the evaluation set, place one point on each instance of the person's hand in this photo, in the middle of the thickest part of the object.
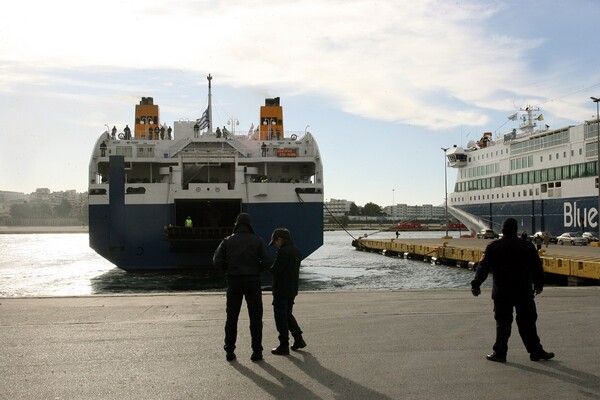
(476, 291)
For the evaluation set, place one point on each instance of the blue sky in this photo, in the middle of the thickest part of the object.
(384, 85)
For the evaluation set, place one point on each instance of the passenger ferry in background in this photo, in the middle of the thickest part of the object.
(145, 184)
(545, 178)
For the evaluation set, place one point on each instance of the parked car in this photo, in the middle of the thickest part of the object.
(487, 234)
(550, 236)
(573, 238)
(590, 237)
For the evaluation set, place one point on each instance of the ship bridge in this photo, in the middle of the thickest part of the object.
(457, 157)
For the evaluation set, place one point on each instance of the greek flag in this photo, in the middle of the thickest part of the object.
(203, 121)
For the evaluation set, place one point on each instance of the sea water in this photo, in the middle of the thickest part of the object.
(64, 265)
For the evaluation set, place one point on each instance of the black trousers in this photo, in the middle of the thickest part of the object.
(284, 318)
(239, 287)
(526, 319)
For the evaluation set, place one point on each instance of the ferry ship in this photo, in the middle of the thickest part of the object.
(545, 178)
(146, 183)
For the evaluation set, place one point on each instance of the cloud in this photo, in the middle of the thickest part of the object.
(428, 63)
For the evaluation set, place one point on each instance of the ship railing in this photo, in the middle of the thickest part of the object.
(204, 153)
(196, 233)
(255, 135)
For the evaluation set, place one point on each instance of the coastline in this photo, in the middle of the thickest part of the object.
(43, 229)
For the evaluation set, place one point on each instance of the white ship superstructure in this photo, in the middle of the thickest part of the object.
(545, 178)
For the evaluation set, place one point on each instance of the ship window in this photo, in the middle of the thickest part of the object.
(541, 158)
(591, 168)
(564, 154)
(531, 176)
(531, 192)
(572, 153)
(580, 151)
(574, 171)
(582, 170)
(124, 151)
(544, 175)
(558, 184)
(550, 157)
(566, 172)
(551, 185)
(557, 156)
(524, 192)
(544, 188)
(537, 191)
(551, 174)
(558, 173)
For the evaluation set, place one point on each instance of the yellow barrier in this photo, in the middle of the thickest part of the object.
(582, 268)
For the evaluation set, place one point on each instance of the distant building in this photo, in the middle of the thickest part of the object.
(7, 199)
(336, 207)
(404, 212)
(43, 197)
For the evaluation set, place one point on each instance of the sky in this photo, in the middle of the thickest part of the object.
(382, 85)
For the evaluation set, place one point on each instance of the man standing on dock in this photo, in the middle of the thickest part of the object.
(517, 277)
(242, 256)
(286, 271)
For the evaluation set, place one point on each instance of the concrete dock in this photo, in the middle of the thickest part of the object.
(409, 344)
(577, 262)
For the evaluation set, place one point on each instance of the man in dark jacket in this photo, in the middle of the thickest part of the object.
(517, 275)
(242, 256)
(285, 270)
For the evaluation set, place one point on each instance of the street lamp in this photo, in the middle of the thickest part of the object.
(597, 101)
(393, 203)
(445, 149)
(233, 122)
(268, 122)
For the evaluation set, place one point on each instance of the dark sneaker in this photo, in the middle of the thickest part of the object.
(298, 344)
(256, 356)
(541, 356)
(230, 356)
(281, 351)
(493, 356)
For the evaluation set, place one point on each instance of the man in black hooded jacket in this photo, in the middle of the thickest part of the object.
(286, 271)
(242, 256)
(517, 276)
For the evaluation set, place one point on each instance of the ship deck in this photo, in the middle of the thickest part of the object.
(579, 262)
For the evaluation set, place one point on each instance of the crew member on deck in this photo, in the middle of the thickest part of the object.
(127, 132)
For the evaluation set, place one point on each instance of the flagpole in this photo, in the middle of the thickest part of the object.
(210, 130)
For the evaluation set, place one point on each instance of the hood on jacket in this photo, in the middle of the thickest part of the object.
(243, 219)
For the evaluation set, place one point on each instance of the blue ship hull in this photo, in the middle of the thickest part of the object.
(552, 215)
(133, 236)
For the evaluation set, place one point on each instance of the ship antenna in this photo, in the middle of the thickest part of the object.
(210, 120)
